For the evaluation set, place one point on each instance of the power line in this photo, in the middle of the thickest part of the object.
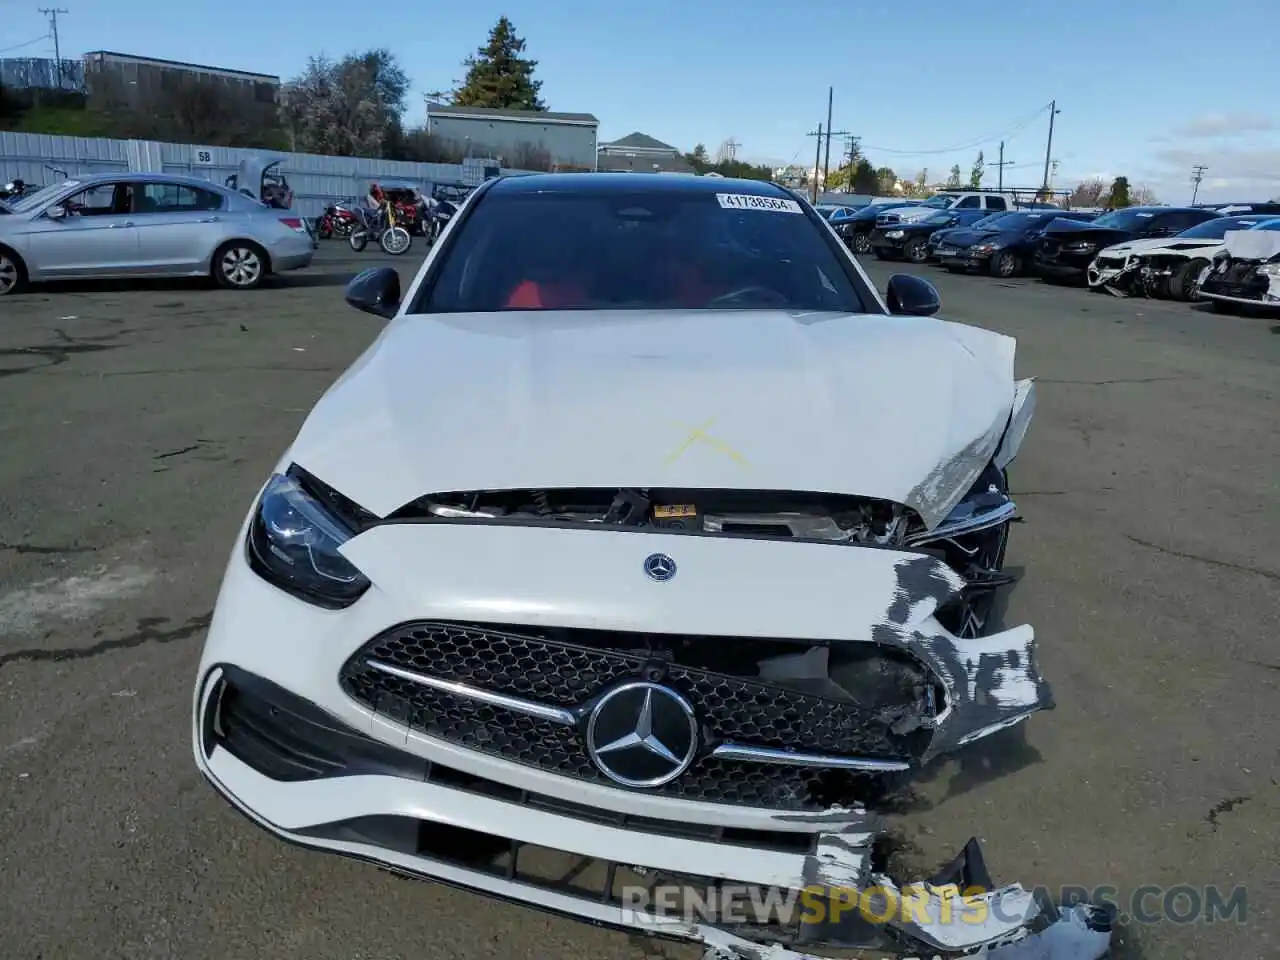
(977, 141)
(19, 46)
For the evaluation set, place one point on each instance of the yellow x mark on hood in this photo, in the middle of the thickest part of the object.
(699, 435)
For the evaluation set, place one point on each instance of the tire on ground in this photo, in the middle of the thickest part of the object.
(223, 268)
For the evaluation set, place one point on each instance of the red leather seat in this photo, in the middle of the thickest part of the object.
(529, 295)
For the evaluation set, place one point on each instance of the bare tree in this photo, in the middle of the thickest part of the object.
(1143, 196)
(1089, 193)
(528, 156)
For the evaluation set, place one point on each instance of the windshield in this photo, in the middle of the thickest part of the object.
(1217, 228)
(1124, 219)
(941, 201)
(1268, 225)
(990, 219)
(40, 197)
(1013, 221)
(651, 250)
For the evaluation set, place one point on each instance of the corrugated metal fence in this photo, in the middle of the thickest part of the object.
(316, 180)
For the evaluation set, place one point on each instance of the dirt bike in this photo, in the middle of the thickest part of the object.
(382, 227)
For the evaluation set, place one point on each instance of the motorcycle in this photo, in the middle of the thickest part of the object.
(16, 190)
(382, 227)
(337, 221)
(439, 218)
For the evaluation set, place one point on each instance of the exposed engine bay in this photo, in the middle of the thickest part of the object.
(971, 540)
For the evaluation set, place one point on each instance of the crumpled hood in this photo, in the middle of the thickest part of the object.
(1066, 231)
(1252, 244)
(908, 409)
(1161, 245)
(966, 237)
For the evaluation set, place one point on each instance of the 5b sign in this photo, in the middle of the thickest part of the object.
(202, 158)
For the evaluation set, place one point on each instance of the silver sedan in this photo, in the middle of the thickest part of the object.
(140, 225)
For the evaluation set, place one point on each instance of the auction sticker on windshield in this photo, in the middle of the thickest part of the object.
(743, 201)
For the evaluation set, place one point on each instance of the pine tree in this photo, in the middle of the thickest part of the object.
(498, 77)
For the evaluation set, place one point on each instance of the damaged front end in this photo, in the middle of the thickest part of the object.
(531, 702)
(1246, 273)
(1121, 275)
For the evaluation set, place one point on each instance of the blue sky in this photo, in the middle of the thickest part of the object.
(1143, 87)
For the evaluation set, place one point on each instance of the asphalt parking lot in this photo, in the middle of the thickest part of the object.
(136, 423)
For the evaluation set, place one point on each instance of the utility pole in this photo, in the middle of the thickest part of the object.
(817, 159)
(826, 164)
(1048, 147)
(731, 149)
(1197, 174)
(52, 14)
(1001, 165)
(851, 144)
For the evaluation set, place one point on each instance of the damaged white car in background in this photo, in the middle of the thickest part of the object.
(1166, 267)
(586, 581)
(1245, 273)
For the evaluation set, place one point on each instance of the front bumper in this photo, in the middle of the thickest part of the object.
(965, 259)
(296, 771)
(392, 784)
(1060, 269)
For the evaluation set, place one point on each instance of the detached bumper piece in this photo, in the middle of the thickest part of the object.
(310, 779)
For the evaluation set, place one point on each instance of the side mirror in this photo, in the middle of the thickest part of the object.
(909, 296)
(56, 212)
(376, 291)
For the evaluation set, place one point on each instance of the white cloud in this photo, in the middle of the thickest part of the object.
(1224, 125)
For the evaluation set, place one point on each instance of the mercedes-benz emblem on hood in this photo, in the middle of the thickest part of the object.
(642, 734)
(659, 567)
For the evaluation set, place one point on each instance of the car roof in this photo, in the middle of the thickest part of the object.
(93, 178)
(607, 184)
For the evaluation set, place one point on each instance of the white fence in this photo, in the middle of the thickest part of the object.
(316, 180)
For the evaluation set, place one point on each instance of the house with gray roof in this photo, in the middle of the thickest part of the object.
(641, 153)
(519, 139)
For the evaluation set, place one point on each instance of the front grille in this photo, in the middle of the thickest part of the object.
(567, 668)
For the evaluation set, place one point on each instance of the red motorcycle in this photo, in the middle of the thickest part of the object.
(337, 221)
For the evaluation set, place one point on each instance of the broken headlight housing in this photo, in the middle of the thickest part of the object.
(293, 543)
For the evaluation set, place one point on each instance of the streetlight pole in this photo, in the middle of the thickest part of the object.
(1048, 147)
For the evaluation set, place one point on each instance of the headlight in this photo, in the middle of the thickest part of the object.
(895, 234)
(983, 248)
(1270, 269)
(1080, 247)
(293, 544)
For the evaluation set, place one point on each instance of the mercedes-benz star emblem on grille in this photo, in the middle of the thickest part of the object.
(642, 734)
(659, 567)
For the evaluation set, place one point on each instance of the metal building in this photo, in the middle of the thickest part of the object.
(526, 139)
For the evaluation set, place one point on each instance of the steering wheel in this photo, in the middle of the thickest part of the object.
(770, 297)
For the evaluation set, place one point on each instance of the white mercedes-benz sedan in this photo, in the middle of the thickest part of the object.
(644, 551)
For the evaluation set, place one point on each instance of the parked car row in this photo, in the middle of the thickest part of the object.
(1228, 255)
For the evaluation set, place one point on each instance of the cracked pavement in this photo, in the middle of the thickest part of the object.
(137, 423)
